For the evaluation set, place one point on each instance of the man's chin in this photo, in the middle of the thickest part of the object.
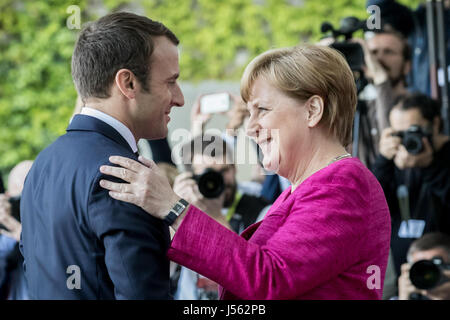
(157, 135)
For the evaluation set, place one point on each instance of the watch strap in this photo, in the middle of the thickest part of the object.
(175, 212)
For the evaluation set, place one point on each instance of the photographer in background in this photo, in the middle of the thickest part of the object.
(413, 25)
(12, 280)
(430, 246)
(414, 170)
(233, 209)
(231, 106)
(387, 60)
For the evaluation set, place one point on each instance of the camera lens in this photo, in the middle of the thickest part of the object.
(210, 183)
(425, 274)
(413, 144)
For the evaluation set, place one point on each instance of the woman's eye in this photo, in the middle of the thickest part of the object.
(262, 109)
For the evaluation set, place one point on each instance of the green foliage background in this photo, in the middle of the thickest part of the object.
(36, 90)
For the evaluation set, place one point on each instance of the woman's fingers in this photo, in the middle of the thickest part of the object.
(126, 163)
(122, 173)
(147, 162)
(116, 187)
(127, 197)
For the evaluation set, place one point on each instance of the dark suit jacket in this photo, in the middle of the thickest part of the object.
(69, 220)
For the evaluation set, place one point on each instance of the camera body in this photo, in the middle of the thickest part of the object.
(352, 52)
(210, 183)
(15, 207)
(428, 274)
(412, 138)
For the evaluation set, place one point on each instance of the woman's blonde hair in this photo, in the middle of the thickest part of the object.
(307, 70)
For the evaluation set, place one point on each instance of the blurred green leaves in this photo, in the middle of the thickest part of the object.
(218, 38)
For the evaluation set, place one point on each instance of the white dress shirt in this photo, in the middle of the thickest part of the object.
(113, 122)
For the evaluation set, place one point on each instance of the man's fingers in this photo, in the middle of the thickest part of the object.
(121, 173)
(405, 267)
(427, 145)
(114, 186)
(183, 176)
(184, 185)
(6, 233)
(126, 163)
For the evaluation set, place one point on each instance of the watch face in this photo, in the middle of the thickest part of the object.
(177, 207)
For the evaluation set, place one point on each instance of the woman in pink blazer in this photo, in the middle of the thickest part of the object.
(326, 237)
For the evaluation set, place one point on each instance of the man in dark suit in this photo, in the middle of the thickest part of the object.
(78, 242)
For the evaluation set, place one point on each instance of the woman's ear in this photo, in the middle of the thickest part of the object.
(126, 83)
(315, 110)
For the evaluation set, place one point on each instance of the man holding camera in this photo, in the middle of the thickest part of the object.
(433, 251)
(414, 170)
(387, 62)
(12, 280)
(210, 184)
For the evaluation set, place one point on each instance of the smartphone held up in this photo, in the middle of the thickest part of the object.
(215, 103)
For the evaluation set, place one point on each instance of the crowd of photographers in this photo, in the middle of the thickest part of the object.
(399, 138)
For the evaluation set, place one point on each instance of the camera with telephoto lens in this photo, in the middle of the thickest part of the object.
(428, 274)
(352, 51)
(412, 139)
(210, 183)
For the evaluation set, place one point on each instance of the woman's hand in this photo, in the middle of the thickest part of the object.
(147, 187)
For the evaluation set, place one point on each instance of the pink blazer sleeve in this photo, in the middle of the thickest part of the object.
(300, 245)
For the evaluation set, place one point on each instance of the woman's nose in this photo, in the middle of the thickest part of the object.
(252, 127)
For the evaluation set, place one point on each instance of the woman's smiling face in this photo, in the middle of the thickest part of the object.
(278, 124)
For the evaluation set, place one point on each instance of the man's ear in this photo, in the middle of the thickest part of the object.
(315, 110)
(406, 67)
(126, 83)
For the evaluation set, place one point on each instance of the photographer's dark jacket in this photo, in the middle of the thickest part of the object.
(429, 197)
(374, 119)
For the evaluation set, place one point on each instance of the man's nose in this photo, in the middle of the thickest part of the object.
(178, 98)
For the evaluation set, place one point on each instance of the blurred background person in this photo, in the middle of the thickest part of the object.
(387, 62)
(231, 207)
(413, 25)
(237, 115)
(12, 280)
(430, 246)
(414, 170)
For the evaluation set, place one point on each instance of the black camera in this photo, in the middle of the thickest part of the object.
(428, 274)
(352, 51)
(412, 139)
(210, 183)
(15, 207)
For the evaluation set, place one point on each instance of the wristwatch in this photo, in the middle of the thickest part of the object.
(175, 212)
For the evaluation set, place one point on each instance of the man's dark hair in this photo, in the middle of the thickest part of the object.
(208, 145)
(430, 241)
(428, 107)
(116, 41)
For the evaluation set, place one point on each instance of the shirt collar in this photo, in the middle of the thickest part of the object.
(113, 122)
